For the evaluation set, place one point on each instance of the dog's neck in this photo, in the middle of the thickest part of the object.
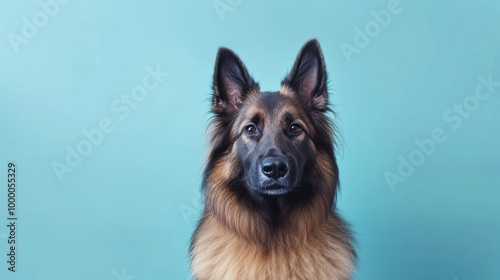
(276, 210)
(271, 220)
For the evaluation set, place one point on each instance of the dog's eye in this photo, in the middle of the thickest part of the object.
(250, 129)
(295, 129)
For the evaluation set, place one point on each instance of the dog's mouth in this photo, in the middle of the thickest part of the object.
(274, 187)
(275, 190)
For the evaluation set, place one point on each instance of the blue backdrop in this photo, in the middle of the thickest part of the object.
(103, 108)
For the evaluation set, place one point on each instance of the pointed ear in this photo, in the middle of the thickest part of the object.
(231, 83)
(308, 78)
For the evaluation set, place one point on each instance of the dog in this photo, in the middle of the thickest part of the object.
(271, 178)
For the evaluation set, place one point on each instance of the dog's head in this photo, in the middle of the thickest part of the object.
(276, 137)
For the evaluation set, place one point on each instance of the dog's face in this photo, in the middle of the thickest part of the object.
(272, 142)
(273, 133)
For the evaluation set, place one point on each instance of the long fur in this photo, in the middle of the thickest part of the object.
(241, 238)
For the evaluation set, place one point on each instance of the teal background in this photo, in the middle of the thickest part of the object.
(127, 210)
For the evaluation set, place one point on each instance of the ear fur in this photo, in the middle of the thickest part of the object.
(308, 77)
(231, 82)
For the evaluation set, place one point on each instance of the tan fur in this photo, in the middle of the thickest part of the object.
(220, 254)
(287, 91)
(233, 243)
(318, 102)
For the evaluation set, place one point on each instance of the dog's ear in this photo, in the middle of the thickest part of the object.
(231, 83)
(308, 77)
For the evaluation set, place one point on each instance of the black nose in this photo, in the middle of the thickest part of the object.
(274, 167)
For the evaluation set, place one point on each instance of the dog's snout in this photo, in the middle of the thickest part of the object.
(274, 167)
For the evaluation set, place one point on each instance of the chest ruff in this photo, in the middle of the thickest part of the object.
(220, 254)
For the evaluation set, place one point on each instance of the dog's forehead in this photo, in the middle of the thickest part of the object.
(270, 103)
